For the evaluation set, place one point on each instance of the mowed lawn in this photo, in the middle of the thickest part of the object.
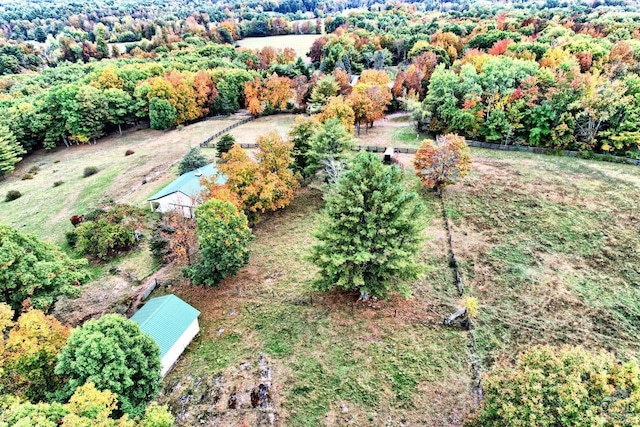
(45, 210)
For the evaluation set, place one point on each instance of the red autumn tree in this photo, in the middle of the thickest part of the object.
(442, 162)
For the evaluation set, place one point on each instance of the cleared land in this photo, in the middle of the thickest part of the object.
(301, 43)
(549, 245)
(45, 210)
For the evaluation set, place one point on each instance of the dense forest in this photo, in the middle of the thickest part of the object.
(553, 77)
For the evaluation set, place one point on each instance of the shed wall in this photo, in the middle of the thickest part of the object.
(176, 350)
(179, 201)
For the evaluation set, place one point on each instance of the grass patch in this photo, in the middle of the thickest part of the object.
(407, 135)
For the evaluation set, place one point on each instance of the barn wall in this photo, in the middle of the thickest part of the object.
(169, 202)
(176, 350)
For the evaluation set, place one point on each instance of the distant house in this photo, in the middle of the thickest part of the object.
(172, 323)
(183, 193)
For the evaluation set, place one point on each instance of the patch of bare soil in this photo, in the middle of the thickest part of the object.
(244, 395)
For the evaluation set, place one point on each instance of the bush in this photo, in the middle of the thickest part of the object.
(58, 183)
(76, 219)
(34, 169)
(27, 176)
(108, 231)
(72, 238)
(129, 152)
(12, 195)
(90, 170)
(566, 387)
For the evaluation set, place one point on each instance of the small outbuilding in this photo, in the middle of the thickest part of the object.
(183, 193)
(172, 323)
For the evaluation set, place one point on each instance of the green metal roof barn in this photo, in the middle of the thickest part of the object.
(172, 323)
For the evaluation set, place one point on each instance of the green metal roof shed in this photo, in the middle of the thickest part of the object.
(172, 323)
(182, 194)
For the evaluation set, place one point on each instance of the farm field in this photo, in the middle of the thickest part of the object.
(301, 43)
(547, 244)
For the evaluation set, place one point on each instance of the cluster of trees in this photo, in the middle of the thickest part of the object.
(101, 374)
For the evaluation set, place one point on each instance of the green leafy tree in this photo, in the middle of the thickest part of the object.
(161, 114)
(119, 107)
(569, 387)
(88, 406)
(114, 354)
(371, 233)
(10, 151)
(191, 161)
(300, 135)
(224, 144)
(35, 272)
(223, 236)
(331, 141)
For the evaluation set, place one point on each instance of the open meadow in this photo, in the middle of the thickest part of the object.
(301, 43)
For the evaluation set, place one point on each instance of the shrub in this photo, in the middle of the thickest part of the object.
(192, 161)
(566, 387)
(108, 231)
(72, 238)
(129, 152)
(12, 195)
(27, 176)
(34, 169)
(90, 170)
(76, 219)
(56, 161)
(58, 183)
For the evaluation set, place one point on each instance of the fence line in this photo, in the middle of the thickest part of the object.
(218, 134)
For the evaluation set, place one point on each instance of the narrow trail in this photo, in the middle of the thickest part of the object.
(476, 368)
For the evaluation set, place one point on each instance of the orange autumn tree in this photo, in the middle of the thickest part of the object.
(28, 353)
(442, 162)
(272, 94)
(278, 181)
(265, 185)
(339, 108)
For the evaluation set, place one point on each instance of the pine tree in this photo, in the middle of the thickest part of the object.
(10, 151)
(371, 233)
(224, 144)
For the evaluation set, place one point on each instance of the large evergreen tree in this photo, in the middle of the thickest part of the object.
(372, 231)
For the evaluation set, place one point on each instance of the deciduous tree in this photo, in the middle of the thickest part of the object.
(34, 272)
(114, 354)
(442, 162)
(223, 237)
(561, 387)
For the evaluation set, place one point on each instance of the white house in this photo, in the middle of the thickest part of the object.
(183, 193)
(172, 323)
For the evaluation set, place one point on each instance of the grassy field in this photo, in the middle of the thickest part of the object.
(301, 43)
(393, 134)
(549, 246)
(333, 362)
